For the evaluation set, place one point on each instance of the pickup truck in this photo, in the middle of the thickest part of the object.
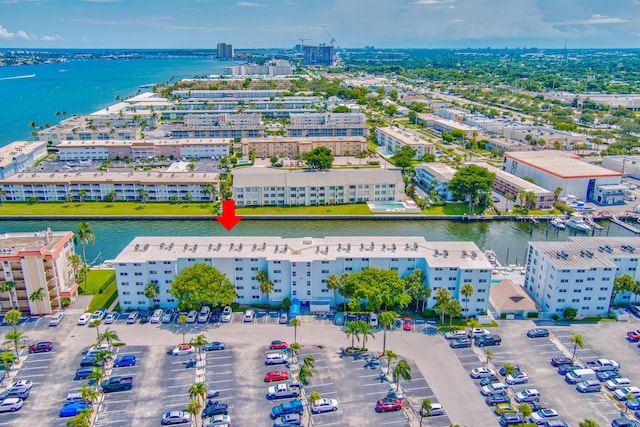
(602, 365)
(117, 384)
(282, 391)
(293, 407)
(485, 340)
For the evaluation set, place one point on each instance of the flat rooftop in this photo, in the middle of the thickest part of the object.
(9, 152)
(12, 244)
(587, 252)
(68, 178)
(303, 139)
(442, 172)
(405, 136)
(144, 142)
(514, 180)
(263, 177)
(561, 164)
(172, 248)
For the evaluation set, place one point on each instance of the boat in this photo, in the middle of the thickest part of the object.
(576, 222)
(558, 223)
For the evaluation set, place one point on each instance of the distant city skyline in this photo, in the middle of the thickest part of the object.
(353, 23)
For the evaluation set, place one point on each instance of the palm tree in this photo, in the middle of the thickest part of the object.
(402, 370)
(425, 408)
(390, 356)
(295, 322)
(151, 292)
(522, 195)
(7, 359)
(96, 324)
(37, 296)
(366, 329)
(387, 319)
(489, 354)
(211, 189)
(75, 261)
(443, 296)
(9, 287)
(3, 193)
(335, 284)
(198, 342)
(83, 419)
(295, 347)
(304, 374)
(82, 194)
(14, 337)
(109, 336)
(194, 409)
(84, 236)
(182, 320)
(589, 423)
(467, 290)
(525, 410)
(96, 376)
(88, 394)
(314, 396)
(353, 331)
(577, 341)
(144, 195)
(266, 285)
(198, 391)
(104, 355)
(508, 369)
(309, 361)
(113, 196)
(454, 309)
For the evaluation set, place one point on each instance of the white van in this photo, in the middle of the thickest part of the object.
(578, 375)
(56, 319)
(276, 359)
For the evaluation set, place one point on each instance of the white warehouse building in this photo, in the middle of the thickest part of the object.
(298, 267)
(579, 273)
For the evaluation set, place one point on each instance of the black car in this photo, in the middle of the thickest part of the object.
(83, 373)
(607, 375)
(491, 379)
(19, 392)
(145, 316)
(557, 361)
(215, 407)
(91, 361)
(503, 370)
(538, 333)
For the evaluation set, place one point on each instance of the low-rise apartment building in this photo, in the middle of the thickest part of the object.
(580, 272)
(211, 148)
(394, 138)
(224, 93)
(287, 146)
(20, 155)
(79, 128)
(327, 124)
(272, 187)
(298, 267)
(441, 124)
(37, 263)
(234, 126)
(436, 176)
(97, 186)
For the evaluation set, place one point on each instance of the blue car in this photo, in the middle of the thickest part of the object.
(565, 369)
(538, 333)
(497, 398)
(73, 409)
(125, 360)
(215, 345)
(607, 375)
(83, 373)
(634, 405)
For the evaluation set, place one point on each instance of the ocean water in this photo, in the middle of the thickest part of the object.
(33, 93)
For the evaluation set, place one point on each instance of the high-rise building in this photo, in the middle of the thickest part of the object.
(225, 51)
(317, 55)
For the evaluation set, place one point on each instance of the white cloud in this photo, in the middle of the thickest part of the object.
(429, 2)
(595, 20)
(250, 4)
(5, 34)
(8, 35)
(51, 38)
(457, 21)
(22, 35)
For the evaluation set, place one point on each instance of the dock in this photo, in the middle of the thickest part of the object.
(623, 224)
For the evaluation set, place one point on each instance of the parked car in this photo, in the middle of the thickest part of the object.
(192, 316)
(407, 323)
(460, 343)
(276, 359)
(56, 319)
(215, 407)
(22, 384)
(19, 392)
(477, 332)
(288, 420)
(124, 360)
(84, 319)
(373, 320)
(176, 417)
(99, 314)
(183, 349)
(436, 409)
(517, 378)
(41, 347)
(156, 317)
(589, 386)
(91, 361)
(510, 419)
(527, 395)
(503, 370)
(616, 383)
(458, 333)
(11, 404)
(622, 393)
(276, 376)
(497, 399)
(291, 407)
(481, 372)
(624, 422)
(283, 318)
(214, 345)
(110, 318)
(226, 314)
(83, 373)
(72, 409)
(505, 408)
(248, 316)
(495, 388)
(278, 345)
(557, 361)
(487, 340)
(565, 369)
(324, 405)
(282, 391)
(388, 404)
(489, 380)
(145, 316)
(634, 335)
(96, 349)
(634, 405)
(203, 316)
(542, 416)
(607, 375)
(133, 317)
(538, 333)
(221, 420)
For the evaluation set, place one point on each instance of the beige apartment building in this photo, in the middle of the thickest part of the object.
(287, 146)
(35, 261)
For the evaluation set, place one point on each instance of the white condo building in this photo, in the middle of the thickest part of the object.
(394, 138)
(298, 267)
(20, 155)
(579, 273)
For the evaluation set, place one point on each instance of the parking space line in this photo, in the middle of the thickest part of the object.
(393, 422)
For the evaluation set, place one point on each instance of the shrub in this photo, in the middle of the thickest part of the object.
(65, 301)
(555, 317)
(235, 306)
(503, 316)
(374, 163)
(438, 204)
(286, 303)
(570, 313)
(429, 314)
(532, 315)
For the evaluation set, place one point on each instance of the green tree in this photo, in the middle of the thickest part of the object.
(353, 331)
(335, 283)
(508, 369)
(82, 194)
(467, 290)
(413, 284)
(143, 195)
(622, 283)
(96, 324)
(194, 407)
(425, 408)
(341, 109)
(75, 261)
(151, 291)
(199, 342)
(9, 287)
(577, 341)
(202, 284)
(319, 158)
(211, 189)
(401, 370)
(489, 355)
(453, 309)
(570, 313)
(7, 359)
(589, 423)
(266, 285)
(403, 157)
(387, 319)
(304, 374)
(309, 361)
(84, 236)
(470, 182)
(443, 296)
(88, 394)
(379, 288)
(295, 322)
(525, 410)
(182, 320)
(96, 376)
(109, 335)
(366, 329)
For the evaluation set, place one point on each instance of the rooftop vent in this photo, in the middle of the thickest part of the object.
(445, 253)
(162, 245)
(146, 246)
(136, 248)
(210, 246)
(186, 246)
(473, 255)
(464, 254)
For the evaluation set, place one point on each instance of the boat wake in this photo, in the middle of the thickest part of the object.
(27, 76)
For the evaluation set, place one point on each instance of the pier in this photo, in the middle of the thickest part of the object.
(625, 225)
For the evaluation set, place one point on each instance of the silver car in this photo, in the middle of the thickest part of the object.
(156, 316)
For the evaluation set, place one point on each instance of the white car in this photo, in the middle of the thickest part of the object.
(495, 388)
(248, 316)
(203, 316)
(192, 316)
(56, 319)
(84, 319)
(617, 383)
(517, 378)
(156, 316)
(226, 314)
(22, 384)
(110, 318)
(481, 372)
(373, 320)
(477, 332)
(436, 409)
(454, 335)
(98, 315)
(217, 421)
(182, 349)
(11, 404)
(176, 417)
(324, 405)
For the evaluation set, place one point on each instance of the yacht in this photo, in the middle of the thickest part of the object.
(558, 223)
(578, 223)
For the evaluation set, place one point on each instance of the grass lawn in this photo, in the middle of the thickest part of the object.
(358, 209)
(95, 280)
(107, 208)
(452, 209)
(105, 299)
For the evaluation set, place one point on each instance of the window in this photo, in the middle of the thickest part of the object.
(167, 272)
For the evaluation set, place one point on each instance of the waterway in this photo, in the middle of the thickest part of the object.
(507, 239)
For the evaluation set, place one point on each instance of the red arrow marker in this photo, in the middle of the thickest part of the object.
(228, 219)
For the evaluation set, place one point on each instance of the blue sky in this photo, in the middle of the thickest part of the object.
(354, 23)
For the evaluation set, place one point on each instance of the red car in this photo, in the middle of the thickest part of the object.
(40, 347)
(388, 404)
(276, 376)
(278, 345)
(634, 335)
(407, 323)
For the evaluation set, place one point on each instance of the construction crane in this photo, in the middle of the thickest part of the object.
(333, 39)
(302, 41)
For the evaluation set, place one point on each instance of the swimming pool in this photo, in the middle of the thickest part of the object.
(388, 205)
(244, 162)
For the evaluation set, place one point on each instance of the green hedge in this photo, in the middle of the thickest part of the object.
(532, 315)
